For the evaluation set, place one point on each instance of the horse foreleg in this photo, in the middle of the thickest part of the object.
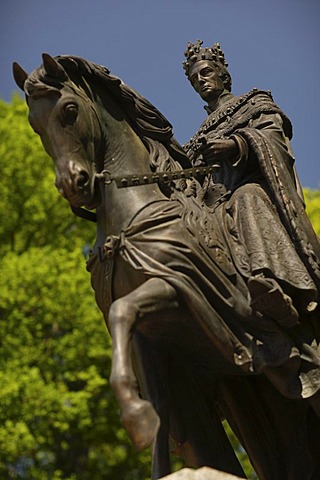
(138, 416)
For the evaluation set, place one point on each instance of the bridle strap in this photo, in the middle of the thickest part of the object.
(136, 180)
(83, 213)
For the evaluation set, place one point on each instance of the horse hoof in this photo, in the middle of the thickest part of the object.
(141, 422)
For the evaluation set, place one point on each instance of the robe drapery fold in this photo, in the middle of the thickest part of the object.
(175, 241)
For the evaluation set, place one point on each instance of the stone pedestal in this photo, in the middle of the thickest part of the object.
(203, 473)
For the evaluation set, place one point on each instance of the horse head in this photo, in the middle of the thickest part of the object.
(65, 118)
(82, 114)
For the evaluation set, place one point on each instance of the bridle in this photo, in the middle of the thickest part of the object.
(136, 180)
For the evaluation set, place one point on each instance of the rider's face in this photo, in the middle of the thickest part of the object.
(205, 79)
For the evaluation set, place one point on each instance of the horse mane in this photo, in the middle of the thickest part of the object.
(149, 124)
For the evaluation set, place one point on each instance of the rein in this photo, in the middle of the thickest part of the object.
(135, 180)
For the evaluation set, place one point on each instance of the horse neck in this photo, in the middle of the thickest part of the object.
(125, 154)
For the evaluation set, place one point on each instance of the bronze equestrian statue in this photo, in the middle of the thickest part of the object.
(205, 265)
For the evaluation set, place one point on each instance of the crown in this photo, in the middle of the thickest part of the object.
(196, 52)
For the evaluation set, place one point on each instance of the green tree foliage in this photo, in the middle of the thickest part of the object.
(312, 198)
(58, 417)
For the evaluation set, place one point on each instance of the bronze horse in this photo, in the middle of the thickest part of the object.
(187, 347)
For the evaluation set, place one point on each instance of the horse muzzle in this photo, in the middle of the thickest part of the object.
(77, 184)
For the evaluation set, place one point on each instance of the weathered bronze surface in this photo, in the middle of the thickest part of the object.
(205, 265)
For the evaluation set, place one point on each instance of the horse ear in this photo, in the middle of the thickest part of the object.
(19, 75)
(52, 67)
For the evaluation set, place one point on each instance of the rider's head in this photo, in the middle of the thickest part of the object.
(206, 69)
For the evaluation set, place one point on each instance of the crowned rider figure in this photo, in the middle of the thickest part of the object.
(247, 138)
(255, 193)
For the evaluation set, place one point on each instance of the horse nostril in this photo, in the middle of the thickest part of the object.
(82, 179)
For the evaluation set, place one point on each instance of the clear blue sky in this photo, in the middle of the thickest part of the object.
(269, 44)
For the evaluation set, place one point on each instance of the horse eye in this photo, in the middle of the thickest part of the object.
(70, 111)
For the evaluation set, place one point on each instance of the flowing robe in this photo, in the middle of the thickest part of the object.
(179, 241)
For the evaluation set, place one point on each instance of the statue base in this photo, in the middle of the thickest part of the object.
(203, 473)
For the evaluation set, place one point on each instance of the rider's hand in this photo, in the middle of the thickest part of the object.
(216, 151)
